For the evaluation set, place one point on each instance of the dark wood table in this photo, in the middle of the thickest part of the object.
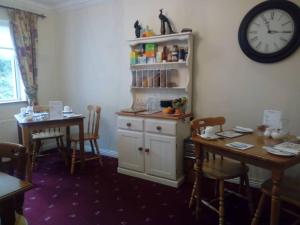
(256, 156)
(25, 129)
(9, 188)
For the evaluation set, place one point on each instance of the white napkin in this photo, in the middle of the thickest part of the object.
(245, 129)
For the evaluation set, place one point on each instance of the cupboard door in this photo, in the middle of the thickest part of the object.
(160, 157)
(130, 146)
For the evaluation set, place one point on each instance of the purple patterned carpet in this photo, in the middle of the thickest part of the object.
(101, 196)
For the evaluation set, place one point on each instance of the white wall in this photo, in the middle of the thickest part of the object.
(95, 64)
(48, 76)
(90, 63)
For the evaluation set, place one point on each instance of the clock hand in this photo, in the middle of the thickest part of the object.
(276, 32)
(266, 22)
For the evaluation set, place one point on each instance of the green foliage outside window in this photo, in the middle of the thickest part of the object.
(6, 80)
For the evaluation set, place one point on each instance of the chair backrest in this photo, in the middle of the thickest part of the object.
(94, 120)
(198, 125)
(13, 158)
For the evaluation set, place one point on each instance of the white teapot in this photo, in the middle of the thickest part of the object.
(268, 132)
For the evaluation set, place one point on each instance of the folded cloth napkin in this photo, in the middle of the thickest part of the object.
(245, 129)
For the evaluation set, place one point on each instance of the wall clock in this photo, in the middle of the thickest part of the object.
(270, 31)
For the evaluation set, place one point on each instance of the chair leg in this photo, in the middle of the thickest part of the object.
(193, 192)
(63, 150)
(249, 194)
(73, 157)
(98, 152)
(242, 181)
(221, 202)
(35, 150)
(92, 147)
(216, 188)
(258, 212)
(57, 144)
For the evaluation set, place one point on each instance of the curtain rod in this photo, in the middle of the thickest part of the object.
(7, 7)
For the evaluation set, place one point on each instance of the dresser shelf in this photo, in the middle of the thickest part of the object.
(166, 65)
(161, 38)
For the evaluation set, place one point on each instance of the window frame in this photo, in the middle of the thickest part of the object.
(19, 90)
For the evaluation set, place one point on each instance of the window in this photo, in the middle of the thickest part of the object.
(11, 85)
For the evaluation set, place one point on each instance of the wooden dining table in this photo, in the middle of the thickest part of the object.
(10, 187)
(26, 127)
(256, 156)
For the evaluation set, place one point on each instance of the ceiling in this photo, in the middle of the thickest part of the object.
(56, 3)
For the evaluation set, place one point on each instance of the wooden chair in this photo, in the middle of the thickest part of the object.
(289, 192)
(91, 135)
(13, 160)
(218, 169)
(42, 135)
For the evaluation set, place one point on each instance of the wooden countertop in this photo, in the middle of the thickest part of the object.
(158, 115)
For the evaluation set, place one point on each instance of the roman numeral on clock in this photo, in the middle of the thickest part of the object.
(258, 45)
(254, 39)
(283, 39)
(272, 15)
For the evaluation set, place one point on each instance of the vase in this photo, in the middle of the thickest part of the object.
(178, 111)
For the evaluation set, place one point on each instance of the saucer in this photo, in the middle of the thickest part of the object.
(213, 137)
(67, 112)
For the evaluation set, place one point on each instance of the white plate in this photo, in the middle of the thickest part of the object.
(214, 137)
(278, 152)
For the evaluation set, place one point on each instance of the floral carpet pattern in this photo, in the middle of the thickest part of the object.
(101, 196)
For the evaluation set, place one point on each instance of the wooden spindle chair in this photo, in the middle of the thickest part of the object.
(91, 135)
(13, 158)
(289, 192)
(218, 169)
(41, 135)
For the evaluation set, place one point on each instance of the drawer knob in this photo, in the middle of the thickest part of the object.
(158, 128)
(128, 124)
(147, 150)
(140, 149)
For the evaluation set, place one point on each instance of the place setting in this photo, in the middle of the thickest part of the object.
(210, 133)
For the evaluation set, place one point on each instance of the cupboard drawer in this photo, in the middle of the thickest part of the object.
(130, 123)
(160, 127)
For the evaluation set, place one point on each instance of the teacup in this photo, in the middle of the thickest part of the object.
(208, 132)
(23, 111)
(67, 108)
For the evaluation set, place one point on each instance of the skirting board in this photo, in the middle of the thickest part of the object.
(114, 154)
(87, 147)
(159, 180)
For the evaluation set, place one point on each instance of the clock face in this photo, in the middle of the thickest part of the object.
(270, 31)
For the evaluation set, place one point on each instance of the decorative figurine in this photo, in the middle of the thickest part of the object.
(138, 29)
(164, 20)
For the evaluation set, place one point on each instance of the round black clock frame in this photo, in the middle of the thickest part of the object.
(292, 9)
